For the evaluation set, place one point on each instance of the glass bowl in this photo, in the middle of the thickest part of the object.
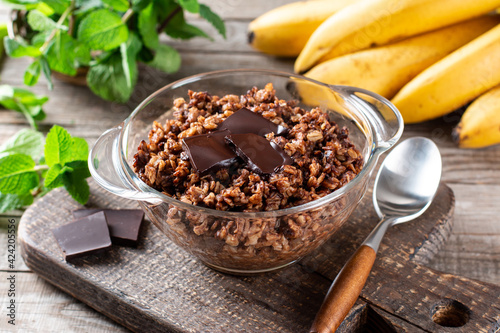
(374, 126)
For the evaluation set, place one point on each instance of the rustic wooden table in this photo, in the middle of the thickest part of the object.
(473, 250)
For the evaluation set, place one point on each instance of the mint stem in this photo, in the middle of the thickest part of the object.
(41, 167)
(63, 17)
(27, 114)
(165, 22)
(127, 15)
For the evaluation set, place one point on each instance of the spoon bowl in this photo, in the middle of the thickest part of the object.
(407, 180)
(404, 188)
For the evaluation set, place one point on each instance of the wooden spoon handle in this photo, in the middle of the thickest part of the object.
(344, 291)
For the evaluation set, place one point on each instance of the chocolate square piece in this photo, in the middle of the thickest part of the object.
(247, 121)
(261, 155)
(209, 152)
(124, 224)
(84, 236)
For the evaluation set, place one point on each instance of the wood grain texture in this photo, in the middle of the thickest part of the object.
(474, 175)
(159, 287)
(37, 300)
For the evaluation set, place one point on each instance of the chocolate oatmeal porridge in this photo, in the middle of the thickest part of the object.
(249, 153)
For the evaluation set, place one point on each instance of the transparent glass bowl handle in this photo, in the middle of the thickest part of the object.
(384, 117)
(106, 169)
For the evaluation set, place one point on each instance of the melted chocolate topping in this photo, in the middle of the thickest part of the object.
(209, 152)
(261, 155)
(241, 134)
(246, 121)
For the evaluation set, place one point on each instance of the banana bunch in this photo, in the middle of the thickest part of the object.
(429, 57)
(284, 31)
(480, 124)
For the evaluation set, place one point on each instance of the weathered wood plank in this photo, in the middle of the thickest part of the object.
(40, 307)
(284, 301)
(480, 266)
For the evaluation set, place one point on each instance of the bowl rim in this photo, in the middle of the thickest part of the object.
(314, 204)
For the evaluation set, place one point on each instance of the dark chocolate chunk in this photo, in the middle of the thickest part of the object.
(262, 156)
(84, 236)
(209, 152)
(247, 121)
(124, 224)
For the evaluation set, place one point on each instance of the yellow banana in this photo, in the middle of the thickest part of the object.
(480, 124)
(377, 22)
(386, 69)
(452, 81)
(285, 30)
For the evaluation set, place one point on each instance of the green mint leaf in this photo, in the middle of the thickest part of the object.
(166, 59)
(26, 141)
(17, 47)
(40, 22)
(102, 30)
(36, 112)
(147, 27)
(82, 55)
(77, 186)
(118, 5)
(61, 54)
(11, 201)
(79, 167)
(26, 97)
(45, 9)
(23, 101)
(190, 5)
(86, 5)
(128, 52)
(54, 177)
(179, 28)
(32, 73)
(27, 4)
(3, 34)
(7, 99)
(17, 174)
(186, 31)
(138, 5)
(58, 175)
(165, 8)
(58, 146)
(39, 38)
(107, 79)
(67, 158)
(145, 55)
(213, 19)
(79, 150)
(47, 72)
(59, 6)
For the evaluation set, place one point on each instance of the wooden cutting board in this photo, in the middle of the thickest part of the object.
(157, 287)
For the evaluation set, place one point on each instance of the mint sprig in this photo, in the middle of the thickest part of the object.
(108, 36)
(66, 158)
(23, 101)
(25, 174)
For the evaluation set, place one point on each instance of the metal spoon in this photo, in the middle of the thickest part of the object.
(404, 188)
